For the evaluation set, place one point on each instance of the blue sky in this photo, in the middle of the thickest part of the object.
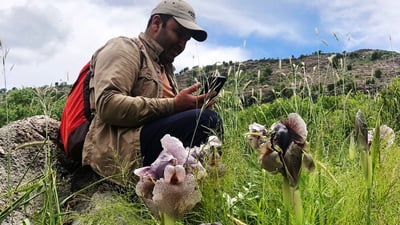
(49, 41)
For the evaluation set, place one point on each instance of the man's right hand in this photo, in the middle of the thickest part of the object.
(185, 99)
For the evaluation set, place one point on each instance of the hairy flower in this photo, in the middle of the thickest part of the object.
(168, 185)
(256, 135)
(386, 135)
(285, 150)
(211, 149)
(209, 154)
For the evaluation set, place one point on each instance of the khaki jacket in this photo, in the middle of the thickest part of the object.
(126, 93)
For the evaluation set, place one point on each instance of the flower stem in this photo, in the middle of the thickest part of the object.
(286, 198)
(292, 201)
(166, 219)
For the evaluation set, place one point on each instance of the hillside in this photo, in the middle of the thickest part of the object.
(364, 70)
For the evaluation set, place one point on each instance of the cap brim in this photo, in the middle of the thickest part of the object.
(198, 33)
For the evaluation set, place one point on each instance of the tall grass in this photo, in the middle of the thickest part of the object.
(44, 186)
(334, 194)
(4, 53)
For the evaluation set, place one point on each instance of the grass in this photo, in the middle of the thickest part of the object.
(336, 193)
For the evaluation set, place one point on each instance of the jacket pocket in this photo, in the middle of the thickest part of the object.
(146, 85)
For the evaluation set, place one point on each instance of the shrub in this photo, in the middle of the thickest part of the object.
(370, 81)
(378, 73)
(349, 67)
(390, 98)
(330, 87)
(376, 55)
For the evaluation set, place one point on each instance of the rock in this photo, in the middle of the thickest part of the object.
(26, 145)
(29, 149)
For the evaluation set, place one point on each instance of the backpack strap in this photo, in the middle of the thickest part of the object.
(89, 113)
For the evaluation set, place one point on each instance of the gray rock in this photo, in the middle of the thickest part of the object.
(28, 150)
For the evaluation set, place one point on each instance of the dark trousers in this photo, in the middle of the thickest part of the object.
(191, 127)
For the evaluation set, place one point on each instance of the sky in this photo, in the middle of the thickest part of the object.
(44, 42)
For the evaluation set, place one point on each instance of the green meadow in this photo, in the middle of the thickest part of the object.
(338, 191)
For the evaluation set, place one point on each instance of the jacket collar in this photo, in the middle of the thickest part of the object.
(154, 51)
(152, 47)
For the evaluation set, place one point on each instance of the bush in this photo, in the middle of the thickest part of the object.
(349, 67)
(351, 86)
(378, 73)
(376, 55)
(330, 87)
(390, 101)
(370, 81)
(26, 102)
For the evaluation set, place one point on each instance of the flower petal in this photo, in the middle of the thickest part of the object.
(158, 166)
(169, 172)
(293, 161)
(297, 124)
(271, 162)
(180, 173)
(308, 161)
(175, 200)
(174, 146)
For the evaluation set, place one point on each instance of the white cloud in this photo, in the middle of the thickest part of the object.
(265, 19)
(34, 33)
(50, 40)
(48, 52)
(369, 24)
(202, 54)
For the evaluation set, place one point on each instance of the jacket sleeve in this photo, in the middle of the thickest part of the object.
(116, 69)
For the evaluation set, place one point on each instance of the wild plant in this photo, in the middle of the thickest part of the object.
(43, 186)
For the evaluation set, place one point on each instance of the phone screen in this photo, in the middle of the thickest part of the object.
(213, 83)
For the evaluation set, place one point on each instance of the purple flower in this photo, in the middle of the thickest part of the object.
(168, 185)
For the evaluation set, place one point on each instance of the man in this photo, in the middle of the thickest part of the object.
(135, 97)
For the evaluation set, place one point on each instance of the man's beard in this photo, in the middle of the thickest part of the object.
(167, 58)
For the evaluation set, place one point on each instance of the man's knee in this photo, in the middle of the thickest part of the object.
(212, 120)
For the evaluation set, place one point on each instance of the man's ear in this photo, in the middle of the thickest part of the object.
(156, 22)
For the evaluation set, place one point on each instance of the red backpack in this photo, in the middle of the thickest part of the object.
(76, 116)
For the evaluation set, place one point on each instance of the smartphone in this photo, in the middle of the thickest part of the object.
(213, 83)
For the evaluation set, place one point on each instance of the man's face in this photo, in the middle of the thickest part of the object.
(172, 38)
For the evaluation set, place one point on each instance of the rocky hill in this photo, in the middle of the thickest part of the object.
(364, 71)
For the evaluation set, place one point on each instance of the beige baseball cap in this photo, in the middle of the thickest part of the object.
(184, 14)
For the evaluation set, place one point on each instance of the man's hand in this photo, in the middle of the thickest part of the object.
(186, 100)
